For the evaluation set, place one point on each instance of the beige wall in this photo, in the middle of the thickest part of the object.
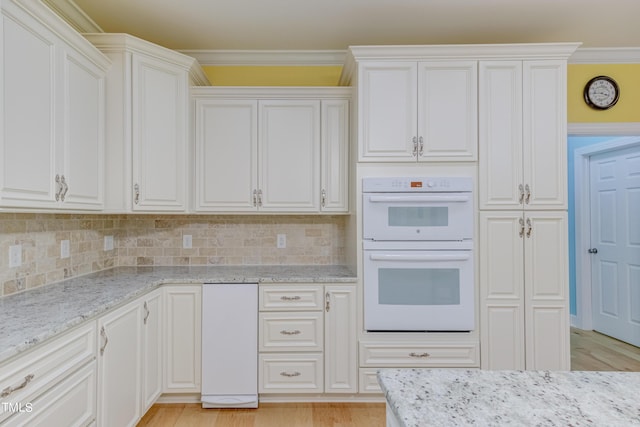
(157, 240)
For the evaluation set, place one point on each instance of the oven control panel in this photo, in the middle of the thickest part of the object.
(416, 184)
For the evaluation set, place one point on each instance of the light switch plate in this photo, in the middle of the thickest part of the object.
(187, 241)
(281, 242)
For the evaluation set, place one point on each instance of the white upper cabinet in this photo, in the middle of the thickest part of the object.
(523, 134)
(424, 111)
(289, 155)
(52, 113)
(147, 154)
(226, 154)
(270, 150)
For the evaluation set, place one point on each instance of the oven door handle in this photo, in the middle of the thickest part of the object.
(419, 199)
(420, 257)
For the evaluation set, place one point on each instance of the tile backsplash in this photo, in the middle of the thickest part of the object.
(145, 240)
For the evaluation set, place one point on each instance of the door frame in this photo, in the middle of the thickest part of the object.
(624, 135)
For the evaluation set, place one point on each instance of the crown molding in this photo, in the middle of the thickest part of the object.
(73, 15)
(268, 57)
(604, 129)
(270, 92)
(608, 55)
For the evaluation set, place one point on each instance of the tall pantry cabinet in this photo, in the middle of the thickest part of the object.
(524, 304)
(148, 125)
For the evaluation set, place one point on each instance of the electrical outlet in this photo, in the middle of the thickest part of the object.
(65, 249)
(281, 242)
(187, 241)
(15, 256)
(108, 243)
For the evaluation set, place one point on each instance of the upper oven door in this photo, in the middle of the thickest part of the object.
(417, 216)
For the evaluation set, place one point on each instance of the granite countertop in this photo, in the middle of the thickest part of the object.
(31, 317)
(449, 397)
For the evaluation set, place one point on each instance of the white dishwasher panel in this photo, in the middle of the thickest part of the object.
(230, 345)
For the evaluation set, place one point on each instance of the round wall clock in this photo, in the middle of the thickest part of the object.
(601, 92)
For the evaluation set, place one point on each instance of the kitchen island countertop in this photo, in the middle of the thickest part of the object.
(33, 316)
(450, 397)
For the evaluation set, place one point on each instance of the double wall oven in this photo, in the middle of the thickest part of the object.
(418, 254)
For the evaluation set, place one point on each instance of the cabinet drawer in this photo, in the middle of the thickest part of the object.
(70, 403)
(23, 379)
(293, 297)
(291, 373)
(368, 380)
(429, 355)
(291, 331)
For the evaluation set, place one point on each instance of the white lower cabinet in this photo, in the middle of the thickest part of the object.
(418, 353)
(129, 360)
(52, 385)
(524, 313)
(307, 339)
(119, 366)
(183, 339)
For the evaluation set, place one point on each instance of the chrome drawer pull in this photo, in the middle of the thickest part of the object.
(292, 374)
(296, 332)
(419, 355)
(103, 334)
(286, 298)
(7, 391)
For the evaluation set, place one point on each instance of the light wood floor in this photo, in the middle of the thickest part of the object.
(590, 351)
(268, 415)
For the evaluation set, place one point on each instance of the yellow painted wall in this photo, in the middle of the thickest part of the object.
(627, 109)
(626, 75)
(273, 75)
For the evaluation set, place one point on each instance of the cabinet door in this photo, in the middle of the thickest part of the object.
(335, 156)
(289, 155)
(447, 110)
(28, 140)
(119, 364)
(500, 139)
(183, 339)
(226, 154)
(387, 104)
(545, 134)
(152, 349)
(546, 288)
(501, 291)
(84, 114)
(341, 362)
(159, 112)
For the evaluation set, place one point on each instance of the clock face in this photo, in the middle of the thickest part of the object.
(601, 93)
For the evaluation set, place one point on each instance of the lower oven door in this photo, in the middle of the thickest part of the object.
(430, 290)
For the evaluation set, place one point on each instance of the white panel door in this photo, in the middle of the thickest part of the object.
(226, 154)
(289, 153)
(335, 156)
(387, 105)
(340, 353)
(119, 365)
(615, 234)
(152, 349)
(501, 290)
(160, 103)
(84, 132)
(448, 110)
(546, 290)
(28, 140)
(500, 135)
(545, 134)
(183, 339)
